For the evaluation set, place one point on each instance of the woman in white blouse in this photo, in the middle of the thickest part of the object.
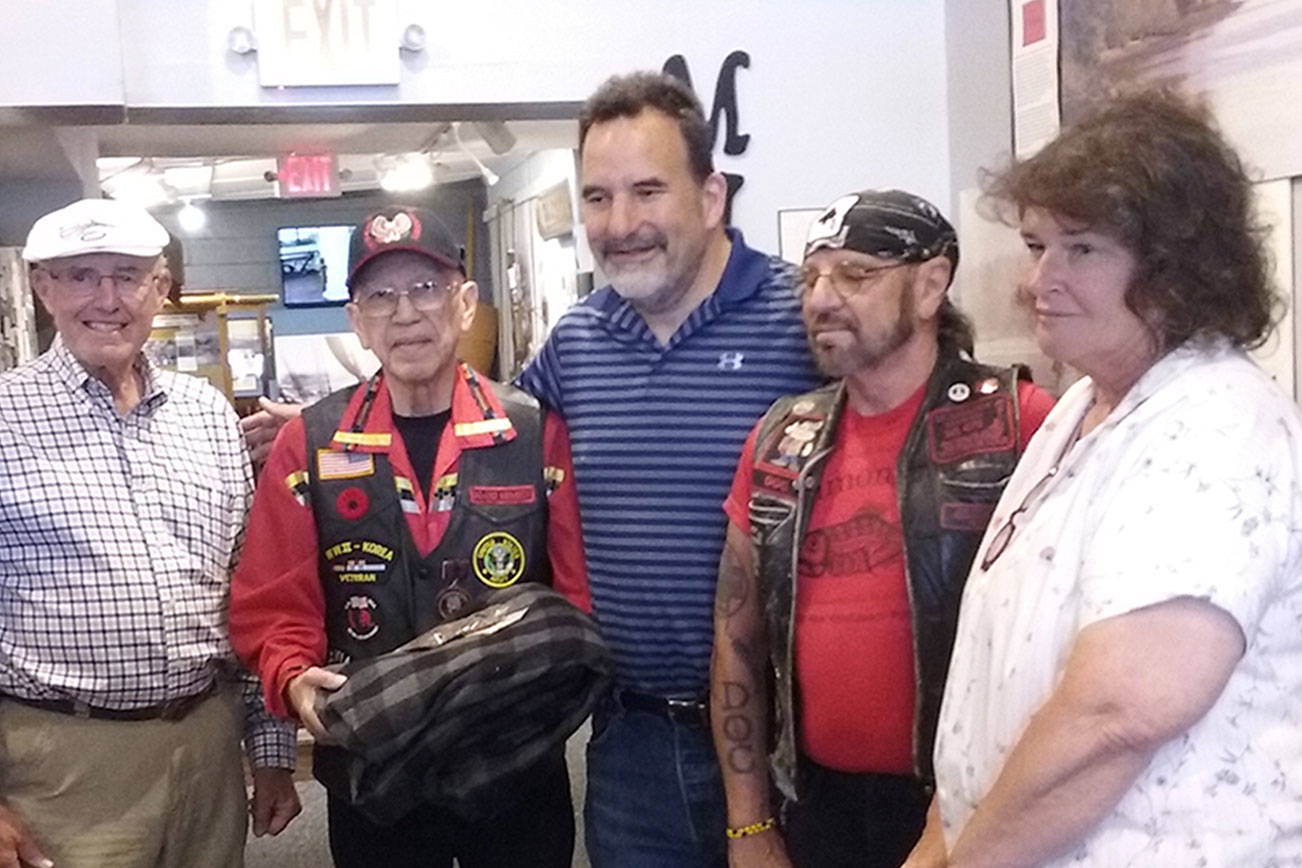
(1126, 685)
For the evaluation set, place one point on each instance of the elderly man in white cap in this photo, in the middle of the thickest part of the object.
(123, 493)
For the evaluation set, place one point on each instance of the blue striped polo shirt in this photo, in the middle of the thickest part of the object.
(656, 432)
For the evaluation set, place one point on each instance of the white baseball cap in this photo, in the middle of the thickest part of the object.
(95, 226)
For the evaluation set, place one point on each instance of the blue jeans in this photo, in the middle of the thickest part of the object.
(655, 797)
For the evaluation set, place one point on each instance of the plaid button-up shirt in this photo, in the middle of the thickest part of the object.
(117, 539)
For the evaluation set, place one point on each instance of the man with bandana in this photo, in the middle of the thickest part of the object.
(854, 516)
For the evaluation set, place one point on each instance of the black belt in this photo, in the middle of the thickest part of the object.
(693, 712)
(173, 709)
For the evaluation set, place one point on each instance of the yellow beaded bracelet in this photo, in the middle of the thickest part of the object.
(752, 829)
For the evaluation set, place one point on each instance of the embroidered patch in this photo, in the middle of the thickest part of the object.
(296, 482)
(374, 439)
(334, 464)
(966, 516)
(498, 559)
(362, 613)
(406, 494)
(973, 428)
(502, 495)
(358, 562)
(778, 459)
(483, 426)
(352, 503)
(445, 492)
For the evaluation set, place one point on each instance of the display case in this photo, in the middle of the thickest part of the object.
(223, 337)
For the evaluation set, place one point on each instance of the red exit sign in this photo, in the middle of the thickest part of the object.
(303, 176)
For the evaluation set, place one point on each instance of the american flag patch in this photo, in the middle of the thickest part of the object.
(406, 494)
(552, 478)
(331, 464)
(445, 492)
(296, 482)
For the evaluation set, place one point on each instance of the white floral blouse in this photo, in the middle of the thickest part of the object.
(1191, 487)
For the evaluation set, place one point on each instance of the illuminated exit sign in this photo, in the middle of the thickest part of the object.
(327, 42)
(307, 176)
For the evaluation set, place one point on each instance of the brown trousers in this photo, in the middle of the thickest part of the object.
(128, 794)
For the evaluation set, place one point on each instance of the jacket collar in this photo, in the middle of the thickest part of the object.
(477, 418)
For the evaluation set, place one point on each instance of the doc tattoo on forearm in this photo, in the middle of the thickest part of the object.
(740, 699)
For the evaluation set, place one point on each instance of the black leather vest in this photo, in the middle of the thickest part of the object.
(379, 591)
(959, 454)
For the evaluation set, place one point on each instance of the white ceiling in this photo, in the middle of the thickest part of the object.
(226, 161)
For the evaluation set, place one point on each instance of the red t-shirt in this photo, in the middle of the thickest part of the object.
(854, 633)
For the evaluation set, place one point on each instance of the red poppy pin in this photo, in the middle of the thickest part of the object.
(352, 503)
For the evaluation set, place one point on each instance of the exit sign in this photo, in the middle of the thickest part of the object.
(306, 176)
(327, 42)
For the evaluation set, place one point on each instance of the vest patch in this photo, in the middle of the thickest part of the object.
(966, 516)
(975, 428)
(494, 495)
(333, 464)
(498, 559)
(406, 494)
(781, 455)
(370, 439)
(362, 612)
(355, 562)
(352, 503)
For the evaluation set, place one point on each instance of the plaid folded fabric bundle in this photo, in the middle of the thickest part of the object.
(458, 713)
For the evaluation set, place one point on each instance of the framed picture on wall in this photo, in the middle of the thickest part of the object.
(555, 211)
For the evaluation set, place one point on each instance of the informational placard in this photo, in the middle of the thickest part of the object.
(326, 42)
(1035, 74)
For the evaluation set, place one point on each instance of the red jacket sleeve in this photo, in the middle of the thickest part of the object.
(737, 506)
(1035, 405)
(564, 532)
(277, 615)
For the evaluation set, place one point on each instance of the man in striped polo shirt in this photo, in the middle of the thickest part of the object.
(660, 377)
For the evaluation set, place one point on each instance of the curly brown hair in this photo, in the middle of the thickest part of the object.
(1151, 170)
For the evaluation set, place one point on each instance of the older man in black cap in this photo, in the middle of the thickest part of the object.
(393, 506)
(854, 516)
(123, 495)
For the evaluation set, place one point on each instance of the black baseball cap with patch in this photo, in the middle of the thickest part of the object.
(889, 224)
(403, 228)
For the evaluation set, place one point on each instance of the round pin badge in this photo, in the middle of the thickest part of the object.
(452, 602)
(959, 392)
(498, 559)
(803, 406)
(352, 503)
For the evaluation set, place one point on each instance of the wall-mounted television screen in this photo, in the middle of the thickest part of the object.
(314, 264)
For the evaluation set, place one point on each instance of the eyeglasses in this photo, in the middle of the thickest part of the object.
(847, 279)
(999, 542)
(83, 279)
(383, 301)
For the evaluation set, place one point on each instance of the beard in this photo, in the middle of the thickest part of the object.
(864, 350)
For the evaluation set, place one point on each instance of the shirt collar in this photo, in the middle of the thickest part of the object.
(73, 374)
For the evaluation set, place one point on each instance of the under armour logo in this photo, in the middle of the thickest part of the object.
(730, 361)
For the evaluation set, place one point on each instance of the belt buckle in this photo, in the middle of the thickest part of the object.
(685, 710)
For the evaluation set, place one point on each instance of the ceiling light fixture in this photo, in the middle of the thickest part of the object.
(191, 218)
(405, 173)
(490, 177)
